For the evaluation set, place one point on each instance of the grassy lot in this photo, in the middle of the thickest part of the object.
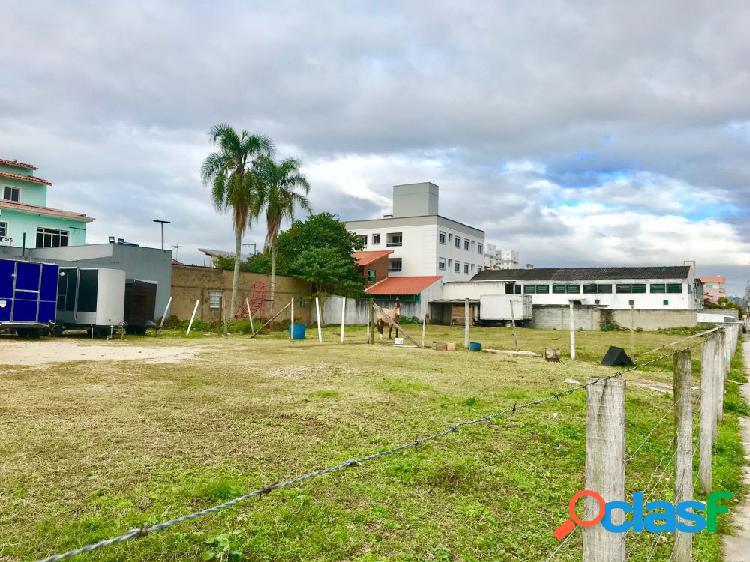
(91, 449)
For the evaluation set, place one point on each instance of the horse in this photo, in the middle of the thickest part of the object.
(388, 316)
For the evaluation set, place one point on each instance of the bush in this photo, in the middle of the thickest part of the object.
(409, 320)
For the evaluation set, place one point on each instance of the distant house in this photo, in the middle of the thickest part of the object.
(713, 288)
(664, 287)
(215, 255)
(24, 211)
(372, 265)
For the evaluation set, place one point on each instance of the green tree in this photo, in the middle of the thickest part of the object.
(230, 173)
(328, 271)
(283, 188)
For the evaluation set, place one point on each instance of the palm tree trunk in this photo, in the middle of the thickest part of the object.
(236, 277)
(273, 277)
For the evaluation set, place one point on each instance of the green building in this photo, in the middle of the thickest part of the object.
(23, 210)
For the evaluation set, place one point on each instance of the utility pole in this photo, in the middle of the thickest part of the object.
(162, 223)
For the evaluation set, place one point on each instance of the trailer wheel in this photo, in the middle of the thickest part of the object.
(29, 333)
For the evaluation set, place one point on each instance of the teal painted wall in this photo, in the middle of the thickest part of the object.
(14, 170)
(18, 223)
(31, 193)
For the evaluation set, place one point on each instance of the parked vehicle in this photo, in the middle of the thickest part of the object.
(500, 310)
(90, 298)
(27, 297)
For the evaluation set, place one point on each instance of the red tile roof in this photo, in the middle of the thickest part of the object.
(17, 164)
(366, 258)
(717, 279)
(46, 211)
(402, 285)
(21, 177)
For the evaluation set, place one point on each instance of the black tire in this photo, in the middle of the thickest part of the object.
(29, 333)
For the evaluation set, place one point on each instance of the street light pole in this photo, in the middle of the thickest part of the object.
(162, 223)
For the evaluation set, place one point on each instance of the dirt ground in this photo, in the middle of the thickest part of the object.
(13, 352)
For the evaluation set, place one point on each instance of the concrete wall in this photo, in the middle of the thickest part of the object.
(555, 317)
(656, 319)
(191, 283)
(711, 315)
(357, 310)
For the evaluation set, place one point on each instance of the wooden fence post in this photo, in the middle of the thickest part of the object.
(572, 332)
(605, 465)
(317, 317)
(466, 323)
(192, 318)
(683, 463)
(708, 412)
(343, 312)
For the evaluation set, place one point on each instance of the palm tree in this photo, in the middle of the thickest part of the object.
(279, 196)
(234, 185)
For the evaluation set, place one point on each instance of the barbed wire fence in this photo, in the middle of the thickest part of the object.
(516, 408)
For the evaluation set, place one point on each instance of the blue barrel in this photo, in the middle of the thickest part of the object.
(297, 331)
(475, 346)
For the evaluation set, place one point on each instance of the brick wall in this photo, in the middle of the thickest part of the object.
(191, 283)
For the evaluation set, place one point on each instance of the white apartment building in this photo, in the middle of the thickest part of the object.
(504, 258)
(653, 288)
(423, 242)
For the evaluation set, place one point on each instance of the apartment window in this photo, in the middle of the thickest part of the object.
(467, 244)
(393, 239)
(441, 264)
(214, 299)
(3, 229)
(450, 237)
(394, 264)
(658, 287)
(375, 239)
(480, 249)
(457, 267)
(457, 241)
(51, 237)
(441, 237)
(466, 268)
(627, 288)
(12, 193)
(674, 287)
(371, 275)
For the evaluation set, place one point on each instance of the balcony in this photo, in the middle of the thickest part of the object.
(393, 240)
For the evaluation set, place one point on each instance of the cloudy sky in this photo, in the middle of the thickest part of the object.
(578, 133)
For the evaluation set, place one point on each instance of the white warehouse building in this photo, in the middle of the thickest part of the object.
(423, 242)
(616, 288)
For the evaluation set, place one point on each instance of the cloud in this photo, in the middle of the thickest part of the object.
(540, 121)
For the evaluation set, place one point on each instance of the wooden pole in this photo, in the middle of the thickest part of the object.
(371, 322)
(317, 318)
(192, 318)
(466, 323)
(708, 413)
(223, 315)
(343, 312)
(291, 323)
(572, 332)
(250, 316)
(270, 320)
(513, 324)
(683, 465)
(605, 465)
(166, 311)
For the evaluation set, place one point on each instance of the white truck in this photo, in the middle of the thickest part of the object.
(500, 310)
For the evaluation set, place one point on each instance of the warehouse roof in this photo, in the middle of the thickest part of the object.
(583, 273)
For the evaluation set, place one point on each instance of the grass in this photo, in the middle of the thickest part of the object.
(93, 449)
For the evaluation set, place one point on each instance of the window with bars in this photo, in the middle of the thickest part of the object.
(214, 299)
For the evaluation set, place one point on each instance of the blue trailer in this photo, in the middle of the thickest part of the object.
(28, 296)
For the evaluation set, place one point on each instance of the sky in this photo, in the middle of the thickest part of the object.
(578, 133)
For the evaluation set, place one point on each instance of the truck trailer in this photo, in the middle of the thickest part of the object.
(501, 310)
(28, 292)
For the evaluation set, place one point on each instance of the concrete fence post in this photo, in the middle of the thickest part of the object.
(572, 331)
(720, 375)
(318, 320)
(291, 320)
(192, 318)
(605, 465)
(683, 414)
(466, 323)
(708, 412)
(343, 317)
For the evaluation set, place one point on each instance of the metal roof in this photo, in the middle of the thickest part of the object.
(583, 273)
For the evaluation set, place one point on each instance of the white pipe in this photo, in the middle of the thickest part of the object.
(166, 311)
(317, 310)
(195, 309)
(572, 333)
(250, 316)
(291, 328)
(343, 311)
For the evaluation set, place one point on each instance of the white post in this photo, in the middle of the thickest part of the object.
(343, 312)
(317, 316)
(192, 318)
(513, 324)
(572, 332)
(466, 323)
(250, 316)
(291, 322)
(632, 329)
(166, 311)
(424, 328)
